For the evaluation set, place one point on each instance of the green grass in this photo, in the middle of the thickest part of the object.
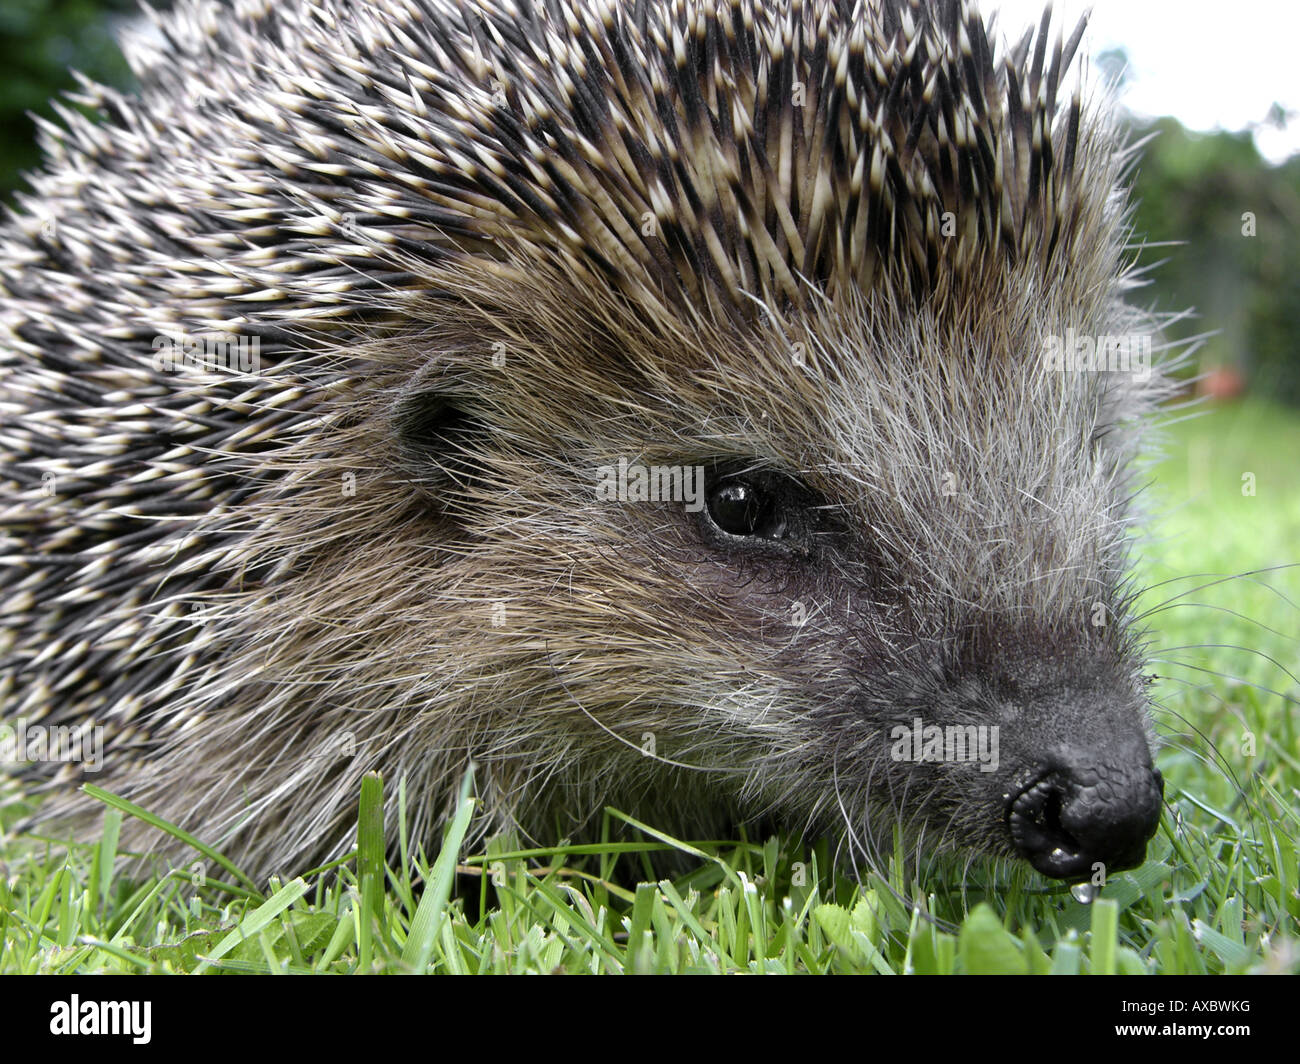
(1219, 891)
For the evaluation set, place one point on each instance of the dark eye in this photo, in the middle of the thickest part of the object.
(736, 508)
(749, 506)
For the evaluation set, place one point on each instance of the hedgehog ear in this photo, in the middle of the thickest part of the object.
(439, 443)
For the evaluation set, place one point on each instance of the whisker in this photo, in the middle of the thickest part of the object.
(1222, 579)
(1221, 609)
(1230, 676)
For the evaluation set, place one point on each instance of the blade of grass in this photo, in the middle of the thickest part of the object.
(158, 822)
(255, 921)
(433, 903)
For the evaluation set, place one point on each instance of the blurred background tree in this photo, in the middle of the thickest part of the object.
(1224, 223)
(1237, 219)
(39, 41)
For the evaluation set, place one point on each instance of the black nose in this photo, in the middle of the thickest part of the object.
(1070, 819)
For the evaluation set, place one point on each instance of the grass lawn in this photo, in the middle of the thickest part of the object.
(1218, 893)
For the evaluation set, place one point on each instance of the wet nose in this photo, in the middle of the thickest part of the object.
(1072, 818)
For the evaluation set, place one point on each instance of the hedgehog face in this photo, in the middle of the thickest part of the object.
(651, 406)
(881, 582)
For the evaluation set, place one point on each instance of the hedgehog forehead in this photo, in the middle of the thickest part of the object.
(833, 385)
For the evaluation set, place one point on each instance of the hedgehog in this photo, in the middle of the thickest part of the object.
(725, 411)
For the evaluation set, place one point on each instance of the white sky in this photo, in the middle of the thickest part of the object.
(1185, 60)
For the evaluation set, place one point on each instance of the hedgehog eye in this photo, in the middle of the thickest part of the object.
(744, 506)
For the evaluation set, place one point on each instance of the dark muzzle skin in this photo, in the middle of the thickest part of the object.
(1091, 802)
(1073, 818)
(1072, 788)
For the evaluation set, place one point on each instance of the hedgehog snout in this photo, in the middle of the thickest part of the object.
(1078, 814)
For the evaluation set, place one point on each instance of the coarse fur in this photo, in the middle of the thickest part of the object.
(488, 247)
